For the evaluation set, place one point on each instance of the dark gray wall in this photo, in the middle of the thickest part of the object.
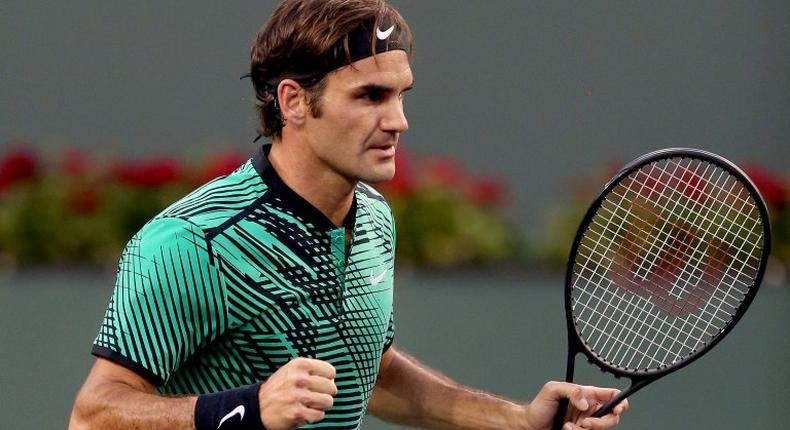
(525, 89)
(498, 332)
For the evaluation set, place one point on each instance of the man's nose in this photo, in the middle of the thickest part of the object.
(395, 120)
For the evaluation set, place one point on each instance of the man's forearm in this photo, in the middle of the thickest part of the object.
(116, 406)
(409, 393)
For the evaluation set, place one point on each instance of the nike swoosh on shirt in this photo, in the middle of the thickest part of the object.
(239, 410)
(375, 280)
(383, 35)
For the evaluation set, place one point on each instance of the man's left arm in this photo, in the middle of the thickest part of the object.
(409, 393)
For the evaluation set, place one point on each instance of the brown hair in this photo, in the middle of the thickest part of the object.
(302, 41)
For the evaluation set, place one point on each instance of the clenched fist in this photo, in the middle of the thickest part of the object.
(297, 394)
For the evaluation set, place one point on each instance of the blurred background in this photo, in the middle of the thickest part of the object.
(109, 111)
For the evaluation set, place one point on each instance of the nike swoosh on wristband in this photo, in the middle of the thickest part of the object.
(239, 410)
(375, 280)
(383, 35)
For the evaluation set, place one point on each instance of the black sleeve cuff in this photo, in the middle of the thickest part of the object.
(117, 358)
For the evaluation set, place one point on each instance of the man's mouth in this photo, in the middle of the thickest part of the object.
(385, 150)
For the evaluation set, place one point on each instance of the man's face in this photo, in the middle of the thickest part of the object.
(362, 118)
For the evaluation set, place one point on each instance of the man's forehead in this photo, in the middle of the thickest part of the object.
(388, 68)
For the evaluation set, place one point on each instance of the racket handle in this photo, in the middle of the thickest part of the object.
(559, 419)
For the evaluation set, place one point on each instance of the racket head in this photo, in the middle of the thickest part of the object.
(672, 311)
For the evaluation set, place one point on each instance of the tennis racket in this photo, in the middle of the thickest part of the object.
(664, 264)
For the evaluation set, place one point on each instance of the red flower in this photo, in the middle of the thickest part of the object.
(443, 172)
(17, 165)
(487, 192)
(74, 163)
(773, 188)
(82, 200)
(150, 173)
(220, 165)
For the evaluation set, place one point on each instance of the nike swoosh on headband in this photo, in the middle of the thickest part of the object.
(383, 35)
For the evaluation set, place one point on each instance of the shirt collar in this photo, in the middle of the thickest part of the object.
(293, 201)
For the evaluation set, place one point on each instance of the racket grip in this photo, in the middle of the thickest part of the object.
(559, 419)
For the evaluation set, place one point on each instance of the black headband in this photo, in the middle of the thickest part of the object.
(365, 41)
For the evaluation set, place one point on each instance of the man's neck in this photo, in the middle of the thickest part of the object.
(327, 191)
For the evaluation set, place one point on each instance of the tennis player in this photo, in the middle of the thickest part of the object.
(263, 299)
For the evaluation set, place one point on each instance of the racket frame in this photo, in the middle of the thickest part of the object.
(640, 379)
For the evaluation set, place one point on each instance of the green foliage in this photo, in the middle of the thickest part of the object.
(85, 212)
(438, 228)
(41, 221)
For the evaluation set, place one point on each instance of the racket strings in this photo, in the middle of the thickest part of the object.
(634, 253)
(661, 339)
(695, 305)
(658, 339)
(656, 255)
(650, 253)
(666, 237)
(651, 337)
(707, 223)
(656, 279)
(704, 220)
(687, 244)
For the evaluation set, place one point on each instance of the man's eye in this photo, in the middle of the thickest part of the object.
(373, 96)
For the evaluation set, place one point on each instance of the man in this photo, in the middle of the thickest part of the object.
(264, 298)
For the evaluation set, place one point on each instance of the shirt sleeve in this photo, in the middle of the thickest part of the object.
(168, 301)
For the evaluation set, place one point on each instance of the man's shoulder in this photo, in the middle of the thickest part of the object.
(219, 200)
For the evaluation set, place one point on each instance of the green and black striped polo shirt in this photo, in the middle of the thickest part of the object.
(237, 278)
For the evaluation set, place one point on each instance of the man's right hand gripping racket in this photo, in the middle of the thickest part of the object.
(665, 262)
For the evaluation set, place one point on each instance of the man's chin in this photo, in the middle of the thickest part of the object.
(377, 177)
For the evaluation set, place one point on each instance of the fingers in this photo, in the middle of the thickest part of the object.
(584, 398)
(603, 423)
(603, 395)
(319, 376)
(621, 407)
(312, 416)
(319, 401)
(302, 416)
(584, 401)
(316, 367)
(314, 375)
(319, 384)
(319, 381)
(296, 394)
(579, 398)
(590, 399)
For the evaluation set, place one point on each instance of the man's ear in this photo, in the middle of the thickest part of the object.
(292, 101)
